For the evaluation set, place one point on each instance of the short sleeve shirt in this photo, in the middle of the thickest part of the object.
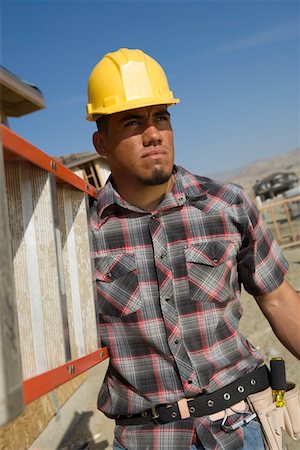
(168, 285)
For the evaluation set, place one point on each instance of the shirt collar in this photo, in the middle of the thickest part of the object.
(108, 198)
(194, 187)
(187, 188)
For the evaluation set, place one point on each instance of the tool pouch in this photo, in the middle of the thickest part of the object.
(291, 411)
(274, 420)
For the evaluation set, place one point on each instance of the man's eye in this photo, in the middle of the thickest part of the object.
(163, 117)
(131, 123)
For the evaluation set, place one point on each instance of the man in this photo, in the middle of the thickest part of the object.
(171, 250)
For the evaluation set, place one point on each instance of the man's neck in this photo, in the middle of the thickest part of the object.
(145, 197)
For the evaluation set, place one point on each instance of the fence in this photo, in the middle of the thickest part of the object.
(48, 332)
(283, 218)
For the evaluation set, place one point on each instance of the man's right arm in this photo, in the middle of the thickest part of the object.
(282, 309)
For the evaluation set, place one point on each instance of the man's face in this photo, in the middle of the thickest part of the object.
(138, 145)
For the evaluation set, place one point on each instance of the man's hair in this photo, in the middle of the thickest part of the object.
(102, 124)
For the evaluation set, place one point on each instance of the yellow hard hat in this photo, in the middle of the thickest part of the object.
(126, 79)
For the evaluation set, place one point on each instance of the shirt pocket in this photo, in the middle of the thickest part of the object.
(117, 285)
(211, 269)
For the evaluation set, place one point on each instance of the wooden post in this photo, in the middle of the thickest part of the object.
(287, 213)
(72, 205)
(35, 262)
(11, 397)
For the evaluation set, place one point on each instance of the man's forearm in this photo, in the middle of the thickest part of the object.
(282, 309)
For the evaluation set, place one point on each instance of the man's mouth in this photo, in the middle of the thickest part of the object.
(154, 154)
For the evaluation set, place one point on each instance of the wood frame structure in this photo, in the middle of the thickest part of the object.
(18, 150)
(277, 215)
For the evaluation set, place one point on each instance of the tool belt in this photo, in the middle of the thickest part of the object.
(276, 420)
(202, 404)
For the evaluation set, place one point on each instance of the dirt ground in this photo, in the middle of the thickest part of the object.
(256, 328)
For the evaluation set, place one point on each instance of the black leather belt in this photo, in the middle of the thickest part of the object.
(203, 404)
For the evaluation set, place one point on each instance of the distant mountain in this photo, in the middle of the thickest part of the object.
(247, 175)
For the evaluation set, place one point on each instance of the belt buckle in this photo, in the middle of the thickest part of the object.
(184, 408)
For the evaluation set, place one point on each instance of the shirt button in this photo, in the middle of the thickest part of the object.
(167, 299)
(162, 256)
(190, 381)
(176, 341)
(109, 274)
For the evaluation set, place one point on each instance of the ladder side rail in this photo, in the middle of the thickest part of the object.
(17, 148)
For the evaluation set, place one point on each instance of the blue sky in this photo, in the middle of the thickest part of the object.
(233, 64)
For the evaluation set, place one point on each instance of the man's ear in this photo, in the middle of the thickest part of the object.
(99, 145)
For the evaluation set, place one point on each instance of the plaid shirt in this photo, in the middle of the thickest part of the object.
(168, 286)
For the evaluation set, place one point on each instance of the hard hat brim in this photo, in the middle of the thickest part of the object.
(134, 104)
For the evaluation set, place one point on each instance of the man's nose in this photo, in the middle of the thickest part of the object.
(151, 135)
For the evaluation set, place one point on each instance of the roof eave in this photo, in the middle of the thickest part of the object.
(17, 96)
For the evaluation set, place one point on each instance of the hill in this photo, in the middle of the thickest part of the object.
(250, 173)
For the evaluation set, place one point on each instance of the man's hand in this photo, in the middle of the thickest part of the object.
(282, 309)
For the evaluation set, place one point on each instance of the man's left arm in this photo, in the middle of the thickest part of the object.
(282, 309)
